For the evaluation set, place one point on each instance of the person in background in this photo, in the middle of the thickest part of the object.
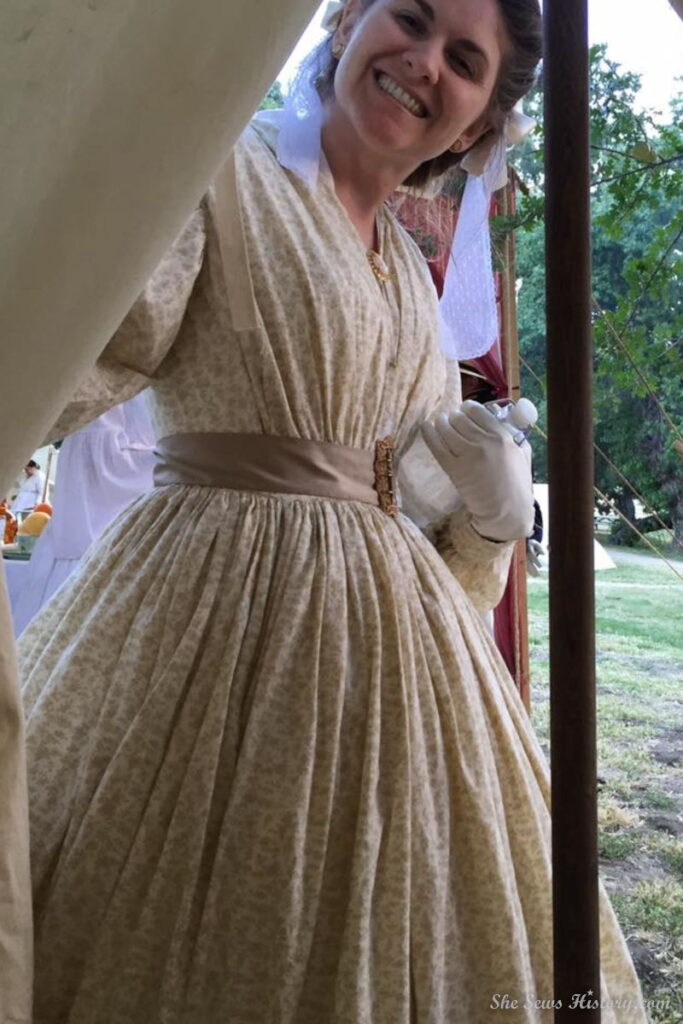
(534, 544)
(102, 469)
(31, 490)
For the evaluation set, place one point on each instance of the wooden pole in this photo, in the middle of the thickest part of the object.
(570, 464)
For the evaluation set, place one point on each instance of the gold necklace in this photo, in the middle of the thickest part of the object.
(378, 266)
(374, 257)
(383, 275)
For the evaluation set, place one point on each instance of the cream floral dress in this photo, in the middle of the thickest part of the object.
(279, 774)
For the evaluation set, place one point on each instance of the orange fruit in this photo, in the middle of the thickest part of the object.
(34, 524)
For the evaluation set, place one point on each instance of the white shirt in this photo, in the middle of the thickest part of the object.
(30, 493)
(101, 469)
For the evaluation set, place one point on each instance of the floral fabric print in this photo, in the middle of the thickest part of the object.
(279, 773)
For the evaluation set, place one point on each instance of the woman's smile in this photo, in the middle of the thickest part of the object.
(413, 77)
(407, 100)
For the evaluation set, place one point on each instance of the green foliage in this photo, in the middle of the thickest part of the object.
(273, 99)
(617, 845)
(658, 800)
(672, 852)
(655, 907)
(637, 174)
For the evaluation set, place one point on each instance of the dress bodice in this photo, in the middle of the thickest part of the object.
(337, 356)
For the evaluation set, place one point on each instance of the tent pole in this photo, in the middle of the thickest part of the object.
(570, 465)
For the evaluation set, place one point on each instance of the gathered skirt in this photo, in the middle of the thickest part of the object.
(280, 775)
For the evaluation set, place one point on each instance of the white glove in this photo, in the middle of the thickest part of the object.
(490, 471)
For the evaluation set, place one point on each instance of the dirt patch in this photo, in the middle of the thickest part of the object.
(669, 750)
(668, 755)
(621, 875)
(672, 824)
(644, 961)
(674, 785)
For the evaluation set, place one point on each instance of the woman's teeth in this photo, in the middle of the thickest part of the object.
(405, 99)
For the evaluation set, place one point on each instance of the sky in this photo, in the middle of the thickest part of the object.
(650, 43)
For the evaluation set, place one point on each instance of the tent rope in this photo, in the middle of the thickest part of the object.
(646, 505)
(641, 376)
(643, 501)
(628, 522)
(661, 263)
(642, 536)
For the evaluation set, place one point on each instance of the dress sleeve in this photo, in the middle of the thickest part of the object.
(429, 498)
(137, 349)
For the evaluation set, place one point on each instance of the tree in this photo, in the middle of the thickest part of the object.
(273, 99)
(637, 174)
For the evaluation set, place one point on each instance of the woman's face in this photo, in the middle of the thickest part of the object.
(417, 75)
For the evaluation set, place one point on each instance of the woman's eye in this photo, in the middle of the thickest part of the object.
(410, 22)
(462, 66)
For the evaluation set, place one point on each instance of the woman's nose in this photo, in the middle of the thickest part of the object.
(422, 63)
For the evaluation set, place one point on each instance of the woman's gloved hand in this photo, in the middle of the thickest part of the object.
(491, 472)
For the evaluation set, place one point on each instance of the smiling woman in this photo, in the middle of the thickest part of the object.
(424, 53)
(278, 771)
(490, 48)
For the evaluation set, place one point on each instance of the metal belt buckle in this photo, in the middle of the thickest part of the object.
(384, 475)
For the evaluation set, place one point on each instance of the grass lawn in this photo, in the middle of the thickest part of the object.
(640, 761)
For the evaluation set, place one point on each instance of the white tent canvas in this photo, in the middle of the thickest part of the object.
(602, 558)
(113, 120)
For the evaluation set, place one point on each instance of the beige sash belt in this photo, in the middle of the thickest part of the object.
(280, 465)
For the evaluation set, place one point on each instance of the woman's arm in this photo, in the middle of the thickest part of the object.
(137, 349)
(480, 566)
(430, 498)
